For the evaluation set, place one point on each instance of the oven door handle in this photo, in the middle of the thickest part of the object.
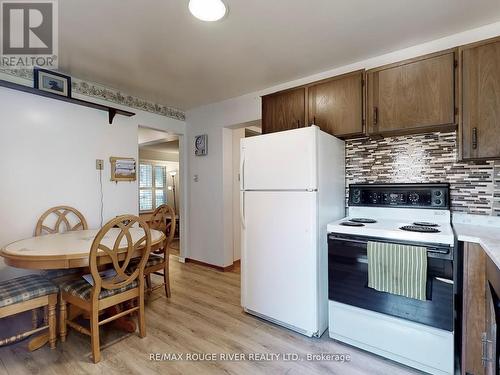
(347, 240)
(438, 251)
(429, 249)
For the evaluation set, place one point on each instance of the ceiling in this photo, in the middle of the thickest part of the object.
(171, 147)
(147, 136)
(156, 50)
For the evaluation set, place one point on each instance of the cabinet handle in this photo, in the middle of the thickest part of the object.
(474, 138)
(375, 115)
(484, 349)
(298, 123)
(314, 121)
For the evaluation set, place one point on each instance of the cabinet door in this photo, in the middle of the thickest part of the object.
(474, 314)
(413, 96)
(480, 85)
(284, 110)
(490, 336)
(336, 105)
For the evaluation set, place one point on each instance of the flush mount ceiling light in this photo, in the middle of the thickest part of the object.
(207, 10)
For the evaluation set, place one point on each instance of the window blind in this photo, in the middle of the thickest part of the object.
(152, 186)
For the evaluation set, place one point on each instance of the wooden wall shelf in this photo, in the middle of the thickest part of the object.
(111, 111)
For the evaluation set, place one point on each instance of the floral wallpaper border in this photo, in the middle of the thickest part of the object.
(101, 92)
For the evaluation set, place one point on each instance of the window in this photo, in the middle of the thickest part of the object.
(152, 186)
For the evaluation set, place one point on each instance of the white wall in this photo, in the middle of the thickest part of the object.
(206, 196)
(238, 134)
(47, 158)
(227, 193)
(208, 213)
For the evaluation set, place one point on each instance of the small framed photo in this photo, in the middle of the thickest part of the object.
(52, 82)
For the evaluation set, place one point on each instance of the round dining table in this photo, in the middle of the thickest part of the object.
(69, 249)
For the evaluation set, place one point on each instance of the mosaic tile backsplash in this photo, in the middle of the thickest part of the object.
(475, 186)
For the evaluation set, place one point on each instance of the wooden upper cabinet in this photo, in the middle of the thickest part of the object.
(336, 104)
(284, 110)
(412, 96)
(480, 100)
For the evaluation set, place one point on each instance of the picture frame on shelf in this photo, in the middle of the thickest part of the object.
(53, 82)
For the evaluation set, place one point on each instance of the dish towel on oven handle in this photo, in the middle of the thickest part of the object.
(398, 269)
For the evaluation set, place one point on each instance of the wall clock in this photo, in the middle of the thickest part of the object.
(200, 145)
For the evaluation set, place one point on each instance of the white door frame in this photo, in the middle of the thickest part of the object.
(183, 202)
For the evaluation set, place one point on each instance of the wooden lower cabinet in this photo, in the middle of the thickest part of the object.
(473, 309)
(480, 100)
(481, 286)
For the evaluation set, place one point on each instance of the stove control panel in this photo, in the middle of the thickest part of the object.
(435, 196)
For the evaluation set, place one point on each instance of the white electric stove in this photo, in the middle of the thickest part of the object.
(410, 331)
(408, 224)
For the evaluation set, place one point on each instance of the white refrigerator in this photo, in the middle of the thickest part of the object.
(292, 184)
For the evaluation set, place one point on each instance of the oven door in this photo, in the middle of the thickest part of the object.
(348, 283)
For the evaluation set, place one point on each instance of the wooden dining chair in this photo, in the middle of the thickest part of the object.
(158, 262)
(58, 219)
(116, 242)
(59, 215)
(27, 293)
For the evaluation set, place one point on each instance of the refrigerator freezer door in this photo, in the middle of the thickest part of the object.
(279, 258)
(280, 161)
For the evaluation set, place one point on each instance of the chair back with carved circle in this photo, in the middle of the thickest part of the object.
(158, 221)
(60, 219)
(121, 239)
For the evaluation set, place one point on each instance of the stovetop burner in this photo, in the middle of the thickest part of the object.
(363, 220)
(352, 224)
(425, 224)
(421, 229)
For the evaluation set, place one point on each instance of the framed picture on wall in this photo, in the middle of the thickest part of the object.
(200, 145)
(122, 169)
(55, 83)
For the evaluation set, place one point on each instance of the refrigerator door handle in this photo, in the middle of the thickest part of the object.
(242, 209)
(242, 169)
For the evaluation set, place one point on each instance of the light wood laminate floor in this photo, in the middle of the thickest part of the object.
(203, 316)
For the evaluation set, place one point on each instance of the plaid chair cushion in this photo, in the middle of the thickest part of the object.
(25, 288)
(55, 274)
(153, 260)
(81, 288)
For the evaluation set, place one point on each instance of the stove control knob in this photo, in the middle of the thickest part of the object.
(356, 196)
(438, 202)
(414, 197)
(438, 193)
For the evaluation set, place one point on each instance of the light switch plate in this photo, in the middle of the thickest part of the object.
(99, 164)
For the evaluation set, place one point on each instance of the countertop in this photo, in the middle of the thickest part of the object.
(484, 231)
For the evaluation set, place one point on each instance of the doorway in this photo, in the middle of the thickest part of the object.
(233, 136)
(159, 176)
